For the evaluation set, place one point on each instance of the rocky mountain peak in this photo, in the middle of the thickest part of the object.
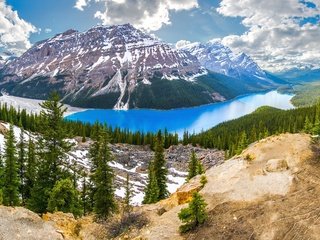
(216, 57)
(105, 59)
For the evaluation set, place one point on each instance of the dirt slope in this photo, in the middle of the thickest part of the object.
(271, 191)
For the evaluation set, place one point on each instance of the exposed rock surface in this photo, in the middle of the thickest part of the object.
(218, 58)
(247, 202)
(20, 223)
(271, 195)
(75, 229)
(134, 160)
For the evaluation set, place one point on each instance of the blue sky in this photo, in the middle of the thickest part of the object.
(198, 24)
(278, 35)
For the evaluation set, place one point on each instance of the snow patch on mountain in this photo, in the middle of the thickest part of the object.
(216, 57)
(32, 105)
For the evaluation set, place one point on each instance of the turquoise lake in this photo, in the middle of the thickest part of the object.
(195, 119)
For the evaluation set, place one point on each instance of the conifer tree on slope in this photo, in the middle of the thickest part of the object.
(64, 197)
(195, 166)
(52, 151)
(102, 177)
(152, 189)
(194, 215)
(193, 162)
(160, 168)
(22, 165)
(30, 176)
(85, 198)
(11, 179)
(157, 175)
(1, 177)
(127, 198)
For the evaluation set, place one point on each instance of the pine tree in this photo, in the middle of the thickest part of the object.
(85, 194)
(31, 169)
(1, 177)
(160, 168)
(307, 125)
(193, 166)
(316, 126)
(83, 135)
(64, 197)
(200, 168)
(11, 179)
(102, 177)
(243, 142)
(54, 135)
(127, 198)
(52, 149)
(194, 215)
(157, 182)
(22, 165)
(152, 188)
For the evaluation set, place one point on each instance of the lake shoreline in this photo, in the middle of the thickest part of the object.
(193, 119)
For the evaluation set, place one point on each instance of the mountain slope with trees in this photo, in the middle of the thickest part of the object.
(233, 136)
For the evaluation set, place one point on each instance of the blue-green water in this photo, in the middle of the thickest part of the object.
(193, 119)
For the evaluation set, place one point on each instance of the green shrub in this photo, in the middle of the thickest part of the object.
(194, 215)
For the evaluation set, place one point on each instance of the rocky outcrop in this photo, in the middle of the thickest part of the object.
(134, 160)
(75, 229)
(182, 195)
(20, 223)
(271, 195)
(276, 165)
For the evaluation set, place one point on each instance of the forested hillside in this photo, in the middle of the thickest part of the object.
(233, 136)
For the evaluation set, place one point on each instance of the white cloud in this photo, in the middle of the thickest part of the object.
(144, 14)
(81, 4)
(276, 37)
(14, 31)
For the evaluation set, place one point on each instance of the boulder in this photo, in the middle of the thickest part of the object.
(276, 165)
(21, 223)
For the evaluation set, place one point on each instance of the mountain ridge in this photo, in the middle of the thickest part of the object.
(110, 67)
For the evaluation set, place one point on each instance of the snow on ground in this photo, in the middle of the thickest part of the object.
(32, 105)
(175, 178)
(81, 158)
(174, 182)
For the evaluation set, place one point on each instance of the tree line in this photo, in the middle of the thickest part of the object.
(32, 122)
(235, 135)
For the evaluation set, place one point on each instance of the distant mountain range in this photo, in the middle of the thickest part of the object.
(300, 75)
(122, 67)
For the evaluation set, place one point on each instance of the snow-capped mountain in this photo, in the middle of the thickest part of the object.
(122, 67)
(104, 60)
(216, 57)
